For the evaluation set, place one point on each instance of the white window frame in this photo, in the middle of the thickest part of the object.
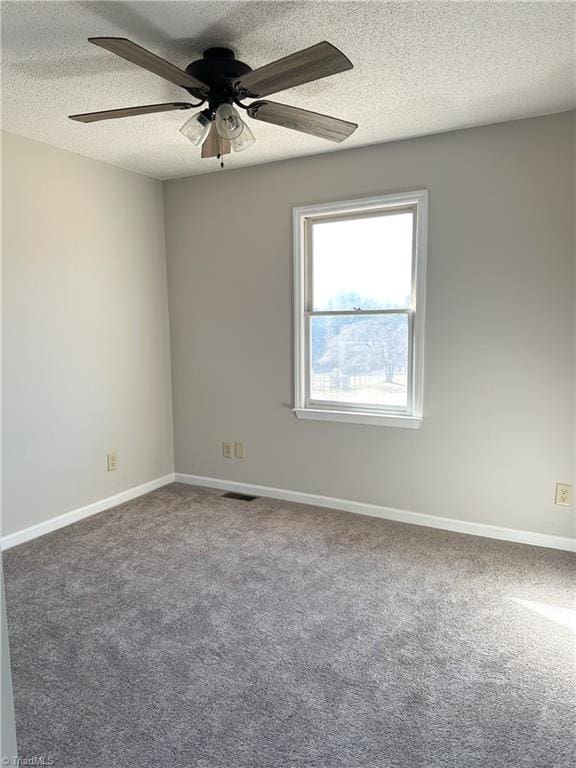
(303, 217)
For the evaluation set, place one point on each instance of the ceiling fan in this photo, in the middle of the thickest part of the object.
(221, 81)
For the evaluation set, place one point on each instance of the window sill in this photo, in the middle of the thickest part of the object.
(358, 417)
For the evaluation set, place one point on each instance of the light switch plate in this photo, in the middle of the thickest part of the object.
(239, 451)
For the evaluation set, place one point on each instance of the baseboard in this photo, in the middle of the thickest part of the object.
(12, 539)
(346, 505)
(387, 513)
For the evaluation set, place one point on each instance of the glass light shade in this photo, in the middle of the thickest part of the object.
(245, 140)
(196, 129)
(229, 124)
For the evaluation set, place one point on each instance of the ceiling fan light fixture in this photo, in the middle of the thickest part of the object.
(229, 124)
(220, 79)
(196, 129)
(244, 140)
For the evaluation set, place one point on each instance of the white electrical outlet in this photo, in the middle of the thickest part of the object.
(239, 451)
(228, 450)
(112, 461)
(563, 494)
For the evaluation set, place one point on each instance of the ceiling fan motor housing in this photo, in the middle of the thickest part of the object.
(218, 69)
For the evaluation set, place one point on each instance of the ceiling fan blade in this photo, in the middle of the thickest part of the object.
(303, 120)
(143, 58)
(112, 114)
(214, 145)
(305, 66)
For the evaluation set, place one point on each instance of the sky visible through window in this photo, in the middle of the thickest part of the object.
(368, 258)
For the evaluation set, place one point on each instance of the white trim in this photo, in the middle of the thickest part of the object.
(387, 513)
(26, 534)
(419, 302)
(301, 217)
(358, 417)
(346, 505)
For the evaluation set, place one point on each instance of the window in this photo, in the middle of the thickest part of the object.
(359, 309)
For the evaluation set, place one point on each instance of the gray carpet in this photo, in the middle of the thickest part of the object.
(191, 631)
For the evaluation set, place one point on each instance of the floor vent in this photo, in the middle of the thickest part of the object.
(238, 496)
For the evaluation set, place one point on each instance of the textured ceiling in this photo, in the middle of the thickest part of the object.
(420, 68)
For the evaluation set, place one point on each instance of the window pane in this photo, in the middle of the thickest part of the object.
(364, 262)
(359, 359)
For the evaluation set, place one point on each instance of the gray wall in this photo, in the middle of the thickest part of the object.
(498, 431)
(85, 332)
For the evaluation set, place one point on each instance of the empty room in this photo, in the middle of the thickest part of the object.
(288, 384)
